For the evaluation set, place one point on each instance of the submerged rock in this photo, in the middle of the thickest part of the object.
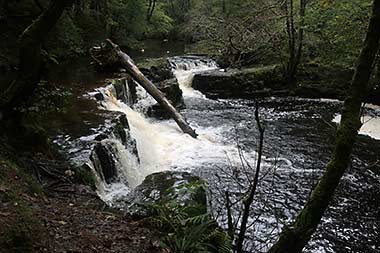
(163, 187)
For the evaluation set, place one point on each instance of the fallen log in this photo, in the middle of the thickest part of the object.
(110, 56)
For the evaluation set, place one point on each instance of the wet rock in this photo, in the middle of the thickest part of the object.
(125, 89)
(244, 83)
(101, 137)
(157, 69)
(121, 130)
(173, 93)
(104, 160)
(374, 96)
(163, 187)
(171, 90)
(313, 81)
(99, 96)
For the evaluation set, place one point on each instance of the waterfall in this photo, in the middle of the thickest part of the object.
(184, 69)
(161, 145)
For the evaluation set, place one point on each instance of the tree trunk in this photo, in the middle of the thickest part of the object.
(295, 51)
(151, 7)
(30, 63)
(110, 54)
(294, 238)
(302, 12)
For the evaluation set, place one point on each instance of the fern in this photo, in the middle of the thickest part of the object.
(187, 233)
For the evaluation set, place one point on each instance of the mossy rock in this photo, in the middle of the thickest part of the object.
(156, 69)
(182, 188)
(240, 83)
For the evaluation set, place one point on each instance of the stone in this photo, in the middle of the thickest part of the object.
(163, 187)
(104, 160)
(234, 83)
(156, 69)
(121, 130)
(173, 93)
(125, 89)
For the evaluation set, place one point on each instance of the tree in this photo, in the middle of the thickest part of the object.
(151, 6)
(20, 91)
(295, 237)
(247, 202)
(295, 38)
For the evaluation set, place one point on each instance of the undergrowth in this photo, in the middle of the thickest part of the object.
(186, 230)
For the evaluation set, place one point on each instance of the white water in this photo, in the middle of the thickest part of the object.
(370, 127)
(371, 124)
(162, 146)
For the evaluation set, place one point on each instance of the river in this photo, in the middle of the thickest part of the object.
(299, 134)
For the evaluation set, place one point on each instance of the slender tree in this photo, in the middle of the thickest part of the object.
(151, 7)
(248, 200)
(294, 238)
(295, 37)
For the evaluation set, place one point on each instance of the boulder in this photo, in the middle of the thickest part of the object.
(121, 130)
(104, 160)
(104, 153)
(173, 93)
(245, 83)
(156, 69)
(320, 81)
(374, 96)
(125, 90)
(164, 187)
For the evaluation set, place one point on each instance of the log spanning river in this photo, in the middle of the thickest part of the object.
(299, 134)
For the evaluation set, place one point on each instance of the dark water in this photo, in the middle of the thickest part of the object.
(299, 132)
(299, 135)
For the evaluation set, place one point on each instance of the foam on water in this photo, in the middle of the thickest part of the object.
(184, 70)
(162, 145)
(371, 124)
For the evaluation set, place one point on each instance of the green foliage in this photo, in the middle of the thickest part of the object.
(67, 38)
(160, 24)
(187, 228)
(187, 233)
(243, 32)
(126, 21)
(335, 30)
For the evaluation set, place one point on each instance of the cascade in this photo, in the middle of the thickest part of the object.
(161, 145)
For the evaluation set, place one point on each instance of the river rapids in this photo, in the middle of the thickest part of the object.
(299, 134)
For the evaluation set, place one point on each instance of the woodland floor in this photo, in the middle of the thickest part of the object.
(64, 218)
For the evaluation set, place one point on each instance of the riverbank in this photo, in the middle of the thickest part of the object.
(61, 216)
(312, 81)
(299, 137)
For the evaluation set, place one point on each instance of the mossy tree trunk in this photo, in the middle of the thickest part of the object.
(295, 237)
(20, 91)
